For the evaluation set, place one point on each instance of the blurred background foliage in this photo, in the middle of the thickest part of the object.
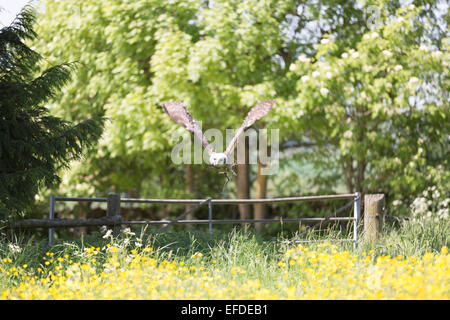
(361, 89)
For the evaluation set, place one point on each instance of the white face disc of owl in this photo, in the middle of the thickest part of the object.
(218, 159)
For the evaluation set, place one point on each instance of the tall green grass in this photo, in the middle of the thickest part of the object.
(239, 247)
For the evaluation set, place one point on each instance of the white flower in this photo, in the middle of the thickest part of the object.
(436, 194)
(292, 67)
(305, 78)
(423, 48)
(414, 80)
(367, 68)
(396, 203)
(128, 232)
(398, 67)
(344, 55)
(14, 248)
(303, 59)
(436, 54)
(324, 41)
(299, 114)
(349, 89)
(315, 74)
(355, 54)
(107, 234)
(388, 85)
(348, 134)
(374, 35)
(324, 91)
(329, 75)
(387, 53)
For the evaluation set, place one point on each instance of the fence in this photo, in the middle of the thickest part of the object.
(373, 213)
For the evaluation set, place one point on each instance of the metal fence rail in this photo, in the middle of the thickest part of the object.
(224, 221)
(355, 201)
(213, 201)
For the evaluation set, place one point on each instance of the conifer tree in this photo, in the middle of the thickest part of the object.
(34, 145)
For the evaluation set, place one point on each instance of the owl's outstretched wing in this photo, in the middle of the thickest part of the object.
(178, 112)
(256, 113)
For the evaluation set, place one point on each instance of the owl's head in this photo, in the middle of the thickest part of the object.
(218, 159)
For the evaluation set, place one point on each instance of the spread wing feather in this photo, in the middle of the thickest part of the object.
(256, 113)
(178, 112)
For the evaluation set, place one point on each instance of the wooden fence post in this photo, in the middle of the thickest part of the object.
(113, 209)
(51, 215)
(373, 216)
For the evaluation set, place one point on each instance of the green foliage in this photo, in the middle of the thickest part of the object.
(219, 58)
(115, 43)
(425, 229)
(34, 145)
(381, 104)
(372, 102)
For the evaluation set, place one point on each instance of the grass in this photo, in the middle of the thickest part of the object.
(410, 262)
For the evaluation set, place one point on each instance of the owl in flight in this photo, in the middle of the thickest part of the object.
(178, 112)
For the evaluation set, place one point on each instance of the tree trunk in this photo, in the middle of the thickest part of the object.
(347, 170)
(243, 187)
(260, 209)
(189, 188)
(260, 190)
(359, 182)
(361, 156)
